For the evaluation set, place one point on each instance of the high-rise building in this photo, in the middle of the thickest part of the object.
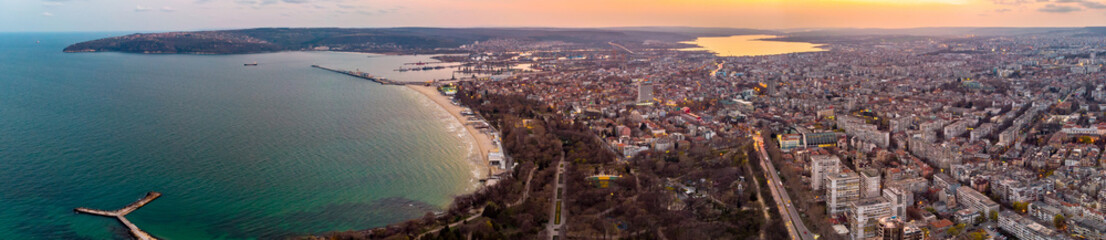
(645, 91)
(820, 166)
(869, 183)
(841, 190)
(900, 200)
(864, 215)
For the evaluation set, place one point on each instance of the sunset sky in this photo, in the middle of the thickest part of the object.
(171, 15)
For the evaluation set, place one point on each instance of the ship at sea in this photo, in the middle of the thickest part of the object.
(250, 64)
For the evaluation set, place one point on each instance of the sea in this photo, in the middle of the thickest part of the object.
(269, 151)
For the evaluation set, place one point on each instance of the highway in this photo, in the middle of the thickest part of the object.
(557, 211)
(795, 227)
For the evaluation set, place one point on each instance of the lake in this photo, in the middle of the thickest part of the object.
(750, 45)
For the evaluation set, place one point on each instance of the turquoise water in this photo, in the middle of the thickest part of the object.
(238, 152)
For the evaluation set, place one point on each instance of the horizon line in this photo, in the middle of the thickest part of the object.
(549, 27)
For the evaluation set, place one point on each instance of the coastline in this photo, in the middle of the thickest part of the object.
(483, 142)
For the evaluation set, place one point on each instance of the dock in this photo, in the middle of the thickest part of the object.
(363, 75)
(122, 212)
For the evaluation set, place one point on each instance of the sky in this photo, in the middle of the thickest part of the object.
(188, 15)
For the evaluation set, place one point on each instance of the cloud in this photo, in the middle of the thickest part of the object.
(1002, 10)
(140, 8)
(1011, 2)
(295, 1)
(1053, 8)
(52, 4)
(1095, 5)
(47, 14)
(168, 9)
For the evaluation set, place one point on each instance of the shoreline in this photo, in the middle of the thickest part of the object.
(483, 142)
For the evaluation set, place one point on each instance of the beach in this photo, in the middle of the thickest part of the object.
(484, 143)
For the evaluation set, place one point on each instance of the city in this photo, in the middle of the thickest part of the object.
(888, 138)
(553, 120)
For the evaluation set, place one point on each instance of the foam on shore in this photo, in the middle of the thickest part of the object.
(469, 136)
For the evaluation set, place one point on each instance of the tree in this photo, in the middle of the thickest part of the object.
(1020, 207)
(994, 216)
(978, 235)
(981, 218)
(955, 230)
(1060, 222)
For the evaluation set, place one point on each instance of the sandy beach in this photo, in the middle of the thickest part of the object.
(484, 142)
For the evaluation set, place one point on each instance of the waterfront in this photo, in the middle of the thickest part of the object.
(750, 45)
(238, 152)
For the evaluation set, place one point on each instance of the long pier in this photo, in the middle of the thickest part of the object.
(364, 75)
(122, 212)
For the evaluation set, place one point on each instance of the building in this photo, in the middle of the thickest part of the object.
(1025, 229)
(869, 183)
(822, 139)
(900, 200)
(1043, 211)
(974, 199)
(841, 190)
(1088, 228)
(864, 217)
(496, 158)
(645, 91)
(789, 141)
(820, 166)
(893, 228)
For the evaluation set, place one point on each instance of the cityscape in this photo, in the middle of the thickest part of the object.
(805, 120)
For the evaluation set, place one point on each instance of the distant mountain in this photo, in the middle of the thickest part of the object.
(446, 40)
(393, 40)
(700, 31)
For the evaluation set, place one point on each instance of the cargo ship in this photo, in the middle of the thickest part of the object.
(250, 64)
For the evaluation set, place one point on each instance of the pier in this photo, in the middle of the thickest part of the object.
(363, 75)
(122, 212)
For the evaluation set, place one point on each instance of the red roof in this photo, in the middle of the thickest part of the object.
(943, 223)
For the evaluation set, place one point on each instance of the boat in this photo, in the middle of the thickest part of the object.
(250, 64)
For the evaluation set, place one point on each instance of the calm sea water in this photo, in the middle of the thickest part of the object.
(750, 45)
(238, 152)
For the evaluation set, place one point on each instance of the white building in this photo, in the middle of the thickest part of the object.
(1024, 228)
(899, 199)
(974, 199)
(869, 183)
(864, 217)
(841, 189)
(820, 166)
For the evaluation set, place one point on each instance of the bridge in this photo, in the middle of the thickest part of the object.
(122, 212)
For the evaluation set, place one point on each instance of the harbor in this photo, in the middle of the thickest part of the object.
(363, 75)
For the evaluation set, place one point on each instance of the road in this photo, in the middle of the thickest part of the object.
(557, 211)
(720, 65)
(795, 227)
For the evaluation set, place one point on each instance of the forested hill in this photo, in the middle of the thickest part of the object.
(391, 40)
